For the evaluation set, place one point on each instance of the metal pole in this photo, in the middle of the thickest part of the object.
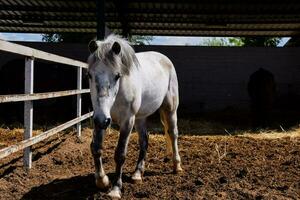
(28, 109)
(79, 87)
(100, 13)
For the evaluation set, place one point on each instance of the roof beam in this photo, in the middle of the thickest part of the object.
(238, 33)
(152, 29)
(187, 8)
(232, 19)
(163, 26)
(152, 17)
(214, 33)
(100, 19)
(122, 7)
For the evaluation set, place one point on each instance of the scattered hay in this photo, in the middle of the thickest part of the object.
(270, 134)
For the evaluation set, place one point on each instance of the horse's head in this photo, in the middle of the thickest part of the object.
(104, 75)
(109, 61)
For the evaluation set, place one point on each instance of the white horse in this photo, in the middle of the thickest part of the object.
(127, 88)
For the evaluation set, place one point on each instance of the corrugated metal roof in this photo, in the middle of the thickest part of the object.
(154, 17)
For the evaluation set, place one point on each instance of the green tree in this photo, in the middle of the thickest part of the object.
(68, 37)
(52, 37)
(236, 41)
(86, 37)
(215, 41)
(260, 41)
(242, 41)
(255, 41)
(140, 39)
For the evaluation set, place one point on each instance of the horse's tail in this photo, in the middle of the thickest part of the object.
(173, 86)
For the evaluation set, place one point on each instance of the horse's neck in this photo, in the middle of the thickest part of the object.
(125, 98)
(128, 87)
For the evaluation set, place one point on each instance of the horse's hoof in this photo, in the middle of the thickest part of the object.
(115, 193)
(102, 183)
(177, 168)
(137, 177)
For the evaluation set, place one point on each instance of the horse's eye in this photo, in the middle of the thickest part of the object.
(117, 77)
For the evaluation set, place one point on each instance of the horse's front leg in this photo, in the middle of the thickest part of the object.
(141, 128)
(102, 180)
(120, 153)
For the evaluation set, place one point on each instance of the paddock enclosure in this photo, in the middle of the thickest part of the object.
(238, 165)
(44, 99)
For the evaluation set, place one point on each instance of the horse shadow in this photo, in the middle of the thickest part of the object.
(77, 187)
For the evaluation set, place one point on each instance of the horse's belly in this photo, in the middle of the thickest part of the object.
(154, 89)
(151, 101)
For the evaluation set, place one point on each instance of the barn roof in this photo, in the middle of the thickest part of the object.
(155, 17)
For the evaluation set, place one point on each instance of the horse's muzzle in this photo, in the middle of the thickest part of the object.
(101, 123)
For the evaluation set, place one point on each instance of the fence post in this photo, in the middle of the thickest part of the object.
(28, 109)
(79, 87)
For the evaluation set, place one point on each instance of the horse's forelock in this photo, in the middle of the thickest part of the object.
(125, 60)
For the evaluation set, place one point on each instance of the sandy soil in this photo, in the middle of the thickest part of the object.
(264, 166)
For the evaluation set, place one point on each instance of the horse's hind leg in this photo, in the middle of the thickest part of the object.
(169, 120)
(167, 136)
(141, 128)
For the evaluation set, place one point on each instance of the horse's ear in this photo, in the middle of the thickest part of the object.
(116, 48)
(93, 46)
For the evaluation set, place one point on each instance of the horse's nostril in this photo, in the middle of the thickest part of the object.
(107, 122)
(101, 124)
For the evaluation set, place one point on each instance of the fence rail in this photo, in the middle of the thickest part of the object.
(42, 136)
(38, 54)
(29, 96)
(39, 96)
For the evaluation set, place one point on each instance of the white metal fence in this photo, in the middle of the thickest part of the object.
(29, 96)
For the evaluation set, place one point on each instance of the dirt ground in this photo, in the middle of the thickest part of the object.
(260, 166)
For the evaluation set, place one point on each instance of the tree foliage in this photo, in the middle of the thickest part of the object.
(86, 37)
(236, 41)
(260, 41)
(242, 41)
(52, 37)
(215, 41)
(140, 39)
(68, 37)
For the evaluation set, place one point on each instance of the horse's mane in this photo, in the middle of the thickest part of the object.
(126, 59)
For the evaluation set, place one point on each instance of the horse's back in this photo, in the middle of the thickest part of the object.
(155, 73)
(153, 56)
(156, 66)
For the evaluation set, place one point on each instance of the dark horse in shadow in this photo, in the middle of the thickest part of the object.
(261, 89)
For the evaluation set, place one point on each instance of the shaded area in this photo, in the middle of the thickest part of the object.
(213, 85)
(78, 187)
(228, 121)
(48, 77)
(262, 92)
(217, 18)
(39, 150)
